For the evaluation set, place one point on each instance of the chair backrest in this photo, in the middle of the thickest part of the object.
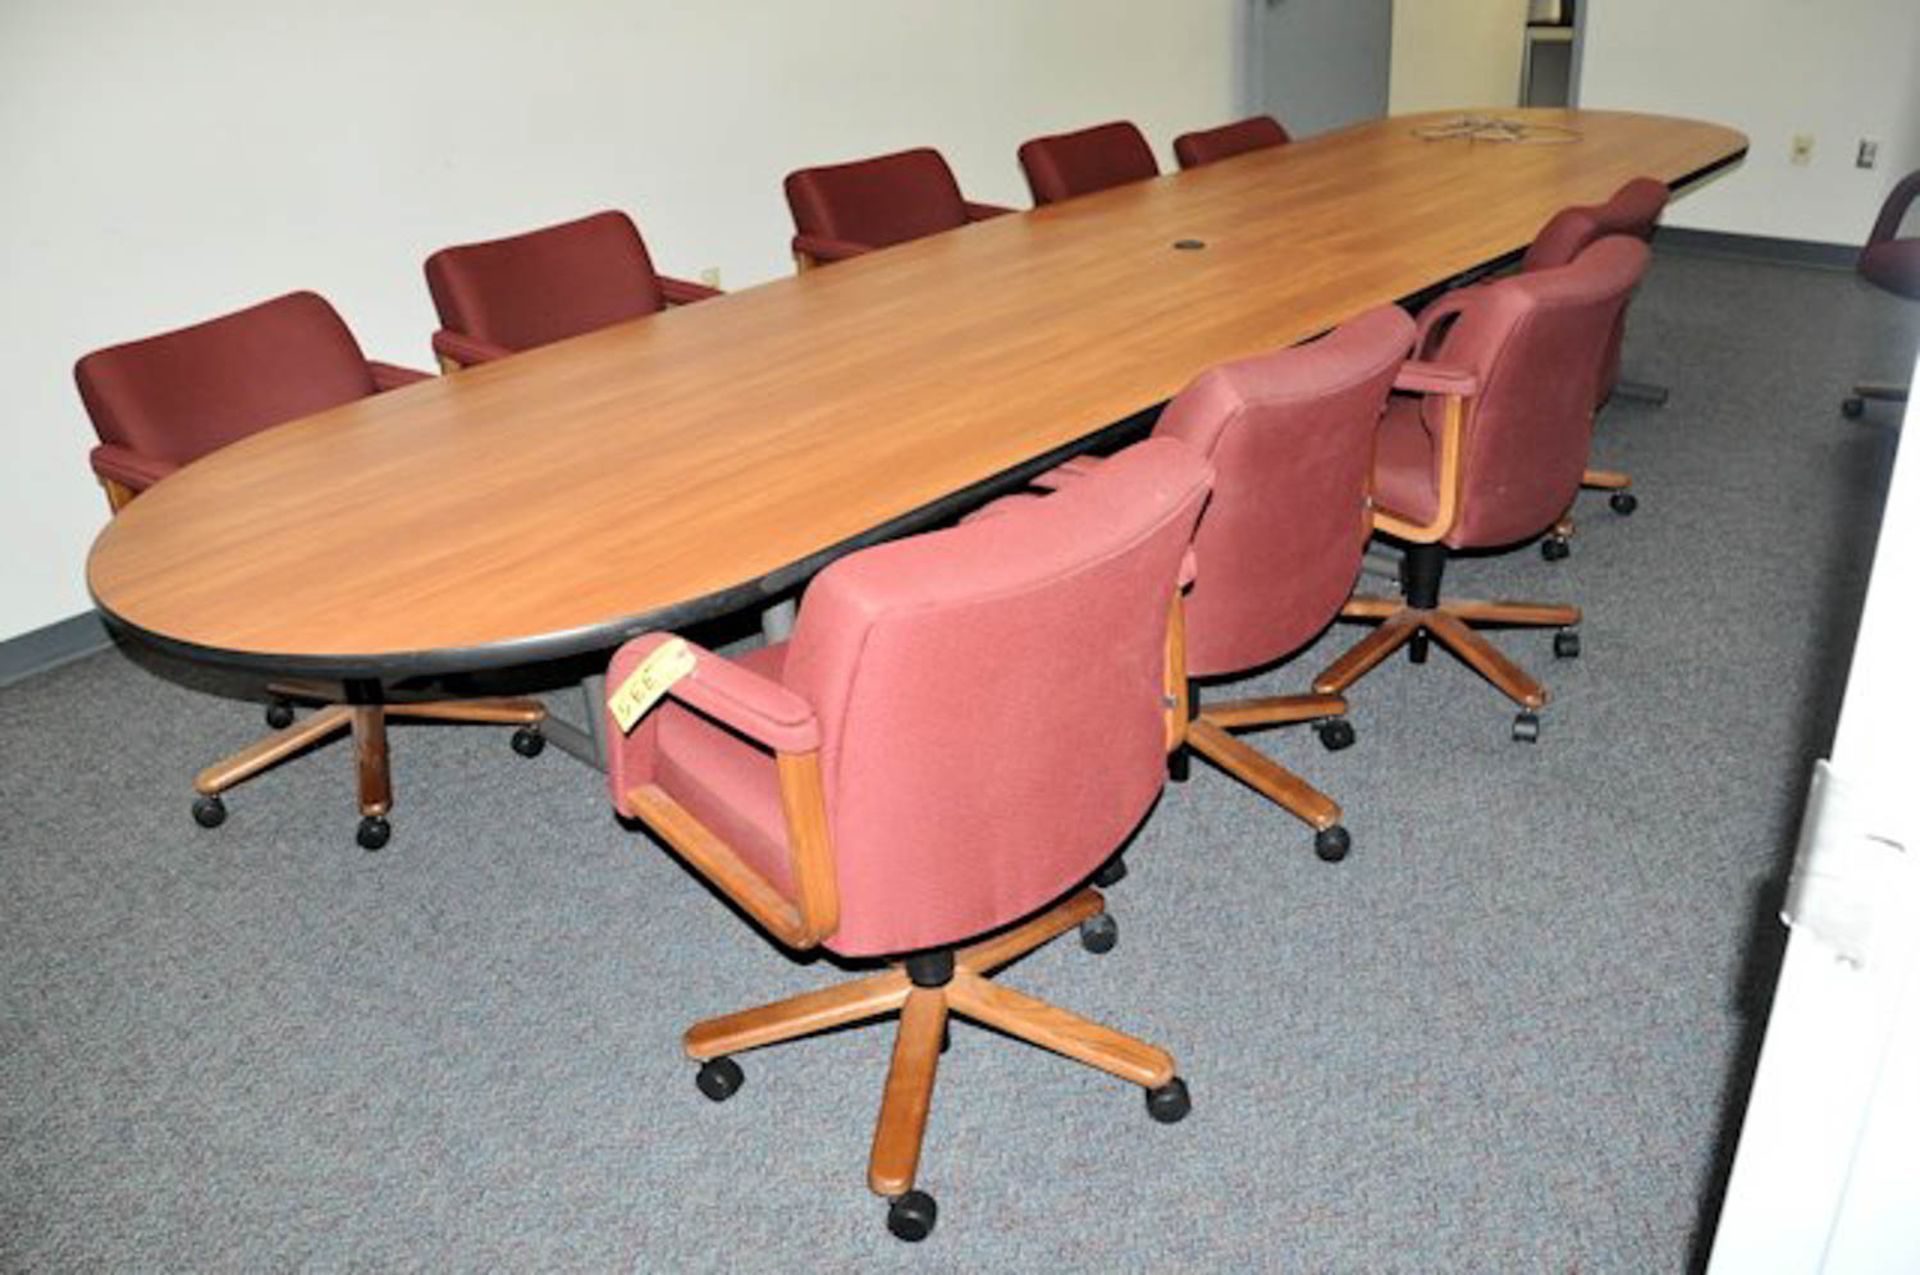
(1290, 435)
(546, 285)
(981, 751)
(1887, 260)
(876, 202)
(1634, 210)
(175, 397)
(1063, 165)
(1211, 145)
(1535, 342)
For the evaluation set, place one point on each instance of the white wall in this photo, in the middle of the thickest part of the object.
(166, 162)
(1839, 69)
(1456, 53)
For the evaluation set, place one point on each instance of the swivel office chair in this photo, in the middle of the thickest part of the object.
(164, 402)
(1893, 263)
(1485, 451)
(502, 296)
(844, 210)
(1063, 165)
(931, 770)
(1211, 145)
(1634, 210)
(1291, 437)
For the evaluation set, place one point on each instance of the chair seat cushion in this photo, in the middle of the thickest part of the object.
(1893, 265)
(1404, 463)
(727, 782)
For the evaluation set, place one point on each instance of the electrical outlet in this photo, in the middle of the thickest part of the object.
(1801, 150)
(711, 276)
(1869, 153)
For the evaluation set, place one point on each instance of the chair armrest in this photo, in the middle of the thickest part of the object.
(982, 212)
(762, 710)
(820, 249)
(135, 472)
(1441, 310)
(1894, 211)
(1417, 377)
(391, 376)
(457, 350)
(1067, 472)
(685, 291)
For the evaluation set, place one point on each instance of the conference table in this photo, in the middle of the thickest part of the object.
(712, 457)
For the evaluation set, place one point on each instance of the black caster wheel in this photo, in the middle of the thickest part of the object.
(720, 1078)
(373, 832)
(911, 1216)
(1179, 765)
(946, 1037)
(1169, 1104)
(1099, 933)
(279, 714)
(1526, 728)
(529, 742)
(1566, 645)
(1623, 502)
(1555, 548)
(1335, 733)
(1111, 873)
(1417, 648)
(1852, 406)
(1332, 844)
(209, 812)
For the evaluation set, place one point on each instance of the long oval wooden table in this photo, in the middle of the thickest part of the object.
(706, 458)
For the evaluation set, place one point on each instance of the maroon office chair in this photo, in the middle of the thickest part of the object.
(931, 770)
(1211, 145)
(1634, 210)
(1893, 263)
(1485, 451)
(843, 210)
(1063, 165)
(506, 295)
(164, 402)
(1290, 435)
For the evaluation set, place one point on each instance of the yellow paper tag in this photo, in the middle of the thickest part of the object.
(663, 666)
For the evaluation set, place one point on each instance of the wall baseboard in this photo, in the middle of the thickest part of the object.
(1791, 252)
(58, 643)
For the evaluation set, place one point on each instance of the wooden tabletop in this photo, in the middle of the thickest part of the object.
(661, 469)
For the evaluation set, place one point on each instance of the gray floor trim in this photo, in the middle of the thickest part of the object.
(51, 646)
(1788, 252)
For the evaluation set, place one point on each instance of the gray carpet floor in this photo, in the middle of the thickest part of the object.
(1512, 1032)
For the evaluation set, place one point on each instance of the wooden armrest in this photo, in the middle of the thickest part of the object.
(457, 350)
(391, 376)
(1446, 482)
(125, 473)
(685, 291)
(818, 250)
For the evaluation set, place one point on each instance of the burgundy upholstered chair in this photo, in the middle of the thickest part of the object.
(936, 756)
(164, 402)
(1485, 451)
(1290, 435)
(843, 210)
(1063, 165)
(506, 295)
(1211, 145)
(1634, 210)
(1893, 263)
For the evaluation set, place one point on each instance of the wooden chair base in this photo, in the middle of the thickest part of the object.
(1447, 624)
(1208, 734)
(908, 1094)
(368, 727)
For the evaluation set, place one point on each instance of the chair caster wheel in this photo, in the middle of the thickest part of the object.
(1555, 548)
(373, 832)
(1179, 765)
(1852, 406)
(1098, 933)
(720, 1078)
(529, 742)
(1169, 1104)
(946, 1037)
(279, 715)
(209, 812)
(1623, 502)
(1111, 873)
(1332, 844)
(1566, 645)
(1526, 728)
(911, 1216)
(1335, 734)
